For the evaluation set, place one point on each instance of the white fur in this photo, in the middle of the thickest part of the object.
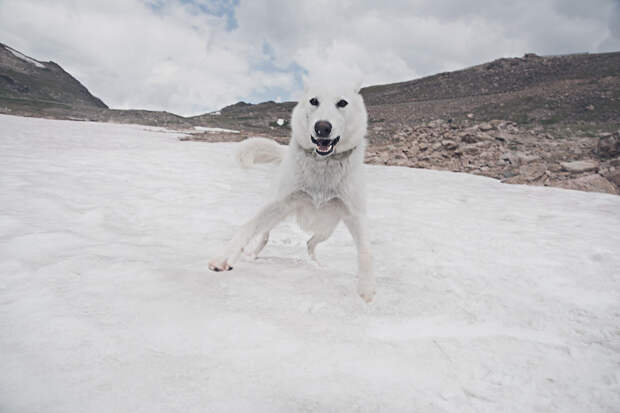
(259, 150)
(320, 191)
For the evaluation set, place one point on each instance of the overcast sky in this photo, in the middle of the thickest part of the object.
(194, 56)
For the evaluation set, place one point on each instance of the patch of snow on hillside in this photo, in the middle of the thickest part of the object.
(25, 58)
(214, 130)
(491, 297)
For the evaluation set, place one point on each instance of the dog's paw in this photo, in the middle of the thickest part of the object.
(316, 262)
(367, 295)
(219, 265)
(366, 289)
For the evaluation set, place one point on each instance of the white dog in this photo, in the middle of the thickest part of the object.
(321, 179)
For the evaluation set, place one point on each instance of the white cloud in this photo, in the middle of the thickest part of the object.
(401, 39)
(176, 57)
(133, 56)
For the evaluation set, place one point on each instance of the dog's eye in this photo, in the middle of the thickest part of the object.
(314, 102)
(342, 103)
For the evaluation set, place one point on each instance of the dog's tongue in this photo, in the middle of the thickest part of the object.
(323, 148)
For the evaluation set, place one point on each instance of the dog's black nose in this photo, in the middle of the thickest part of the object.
(323, 128)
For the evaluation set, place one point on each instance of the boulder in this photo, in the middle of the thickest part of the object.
(608, 145)
(514, 158)
(468, 137)
(532, 172)
(579, 166)
(449, 144)
(436, 123)
(615, 178)
(590, 183)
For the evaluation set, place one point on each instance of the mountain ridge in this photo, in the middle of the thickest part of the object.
(24, 79)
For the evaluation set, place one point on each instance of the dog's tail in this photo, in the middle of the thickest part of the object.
(259, 150)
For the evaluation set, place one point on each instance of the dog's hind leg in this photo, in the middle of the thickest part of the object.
(321, 223)
(315, 240)
(263, 240)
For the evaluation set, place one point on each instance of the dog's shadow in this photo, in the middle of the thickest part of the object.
(275, 259)
(288, 262)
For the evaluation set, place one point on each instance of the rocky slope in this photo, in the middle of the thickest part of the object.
(503, 150)
(27, 83)
(29, 87)
(531, 90)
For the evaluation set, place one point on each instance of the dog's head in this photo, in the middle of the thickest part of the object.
(329, 120)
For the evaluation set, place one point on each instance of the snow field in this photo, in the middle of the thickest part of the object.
(491, 297)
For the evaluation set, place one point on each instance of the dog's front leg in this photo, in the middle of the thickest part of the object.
(264, 221)
(366, 286)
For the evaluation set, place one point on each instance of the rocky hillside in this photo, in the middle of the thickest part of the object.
(580, 89)
(536, 120)
(28, 83)
(504, 150)
(29, 87)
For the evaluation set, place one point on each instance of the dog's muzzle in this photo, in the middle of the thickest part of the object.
(324, 147)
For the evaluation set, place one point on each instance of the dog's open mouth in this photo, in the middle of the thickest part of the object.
(324, 147)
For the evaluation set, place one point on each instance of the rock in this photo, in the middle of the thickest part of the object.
(485, 127)
(498, 124)
(449, 144)
(526, 158)
(615, 178)
(532, 172)
(501, 136)
(483, 136)
(514, 158)
(608, 145)
(590, 183)
(509, 173)
(470, 116)
(436, 123)
(469, 137)
(471, 149)
(579, 166)
(516, 179)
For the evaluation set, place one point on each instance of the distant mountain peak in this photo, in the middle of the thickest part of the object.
(24, 57)
(28, 82)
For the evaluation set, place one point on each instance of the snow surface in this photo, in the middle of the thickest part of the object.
(208, 129)
(25, 58)
(491, 297)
